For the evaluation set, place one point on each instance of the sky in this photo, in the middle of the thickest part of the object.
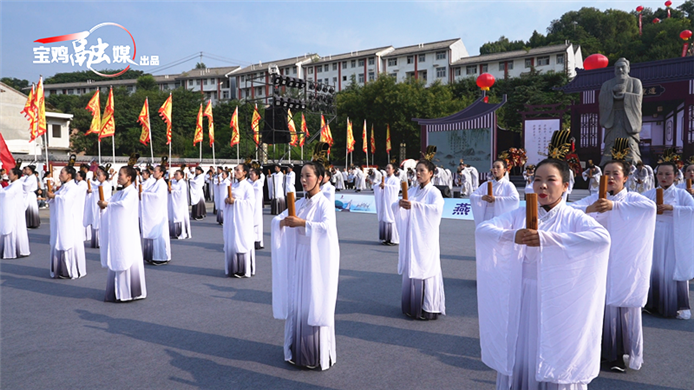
(243, 32)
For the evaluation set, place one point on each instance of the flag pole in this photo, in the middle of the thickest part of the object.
(45, 142)
(151, 148)
(113, 148)
(214, 161)
(99, 150)
(237, 154)
(200, 151)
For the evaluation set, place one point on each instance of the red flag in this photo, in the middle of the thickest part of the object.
(143, 119)
(198, 128)
(165, 113)
(363, 138)
(304, 131)
(5, 155)
(350, 137)
(108, 122)
(30, 113)
(235, 127)
(255, 122)
(40, 104)
(373, 140)
(94, 106)
(210, 121)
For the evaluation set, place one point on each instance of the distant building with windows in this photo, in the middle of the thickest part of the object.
(564, 58)
(253, 81)
(337, 70)
(426, 61)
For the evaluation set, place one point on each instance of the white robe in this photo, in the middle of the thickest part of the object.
(14, 239)
(91, 202)
(290, 182)
(258, 211)
(120, 251)
(419, 252)
(305, 272)
(339, 181)
(506, 199)
(239, 235)
(673, 263)
(562, 283)
(178, 211)
(329, 191)
(82, 200)
(276, 185)
(384, 199)
(67, 243)
(155, 219)
(30, 185)
(594, 182)
(359, 180)
(475, 177)
(197, 194)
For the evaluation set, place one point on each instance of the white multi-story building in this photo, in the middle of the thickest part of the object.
(211, 82)
(564, 58)
(15, 127)
(253, 82)
(426, 61)
(338, 70)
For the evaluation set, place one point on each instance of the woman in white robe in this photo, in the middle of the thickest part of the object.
(629, 217)
(120, 236)
(305, 272)
(179, 218)
(156, 245)
(359, 180)
(592, 176)
(541, 293)
(258, 183)
(504, 196)
(14, 239)
(197, 196)
(93, 198)
(385, 194)
(339, 180)
(327, 188)
(221, 182)
(67, 243)
(276, 191)
(31, 205)
(239, 235)
(81, 180)
(673, 262)
(417, 221)
(688, 175)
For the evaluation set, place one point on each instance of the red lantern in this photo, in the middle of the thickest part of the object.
(656, 21)
(595, 61)
(686, 34)
(485, 81)
(668, 3)
(639, 8)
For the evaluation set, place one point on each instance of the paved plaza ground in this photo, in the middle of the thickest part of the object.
(199, 329)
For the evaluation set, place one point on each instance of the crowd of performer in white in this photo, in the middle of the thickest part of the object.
(553, 302)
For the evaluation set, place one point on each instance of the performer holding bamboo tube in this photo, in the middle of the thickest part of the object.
(631, 254)
(305, 268)
(103, 189)
(688, 177)
(673, 263)
(417, 218)
(156, 245)
(497, 197)
(239, 236)
(555, 274)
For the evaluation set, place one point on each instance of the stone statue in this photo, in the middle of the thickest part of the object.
(620, 111)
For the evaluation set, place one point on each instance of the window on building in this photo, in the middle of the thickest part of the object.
(197, 82)
(589, 130)
(471, 69)
(440, 72)
(344, 65)
(458, 71)
(410, 59)
(485, 68)
(310, 70)
(259, 91)
(393, 75)
(560, 59)
(334, 65)
(528, 63)
(392, 62)
(409, 75)
(371, 76)
(334, 80)
(372, 61)
(205, 81)
(440, 55)
(243, 78)
(542, 61)
(502, 66)
(293, 70)
(510, 65)
(319, 68)
(57, 131)
(361, 62)
(344, 78)
(225, 94)
(361, 77)
(423, 75)
(353, 63)
(422, 57)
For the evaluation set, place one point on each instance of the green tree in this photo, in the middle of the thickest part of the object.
(16, 83)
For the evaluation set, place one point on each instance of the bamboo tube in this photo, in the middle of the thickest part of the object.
(603, 187)
(291, 211)
(101, 193)
(89, 184)
(139, 191)
(531, 211)
(169, 183)
(229, 192)
(49, 184)
(689, 184)
(403, 185)
(490, 188)
(659, 198)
